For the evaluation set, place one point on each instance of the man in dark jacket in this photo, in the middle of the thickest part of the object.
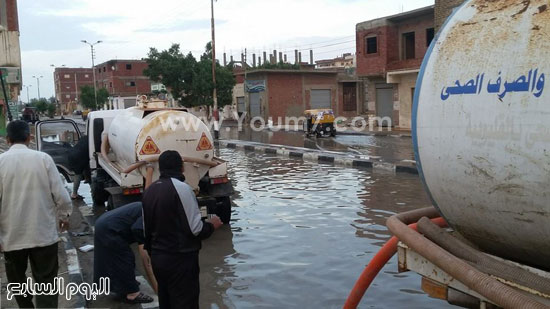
(79, 162)
(173, 234)
(115, 231)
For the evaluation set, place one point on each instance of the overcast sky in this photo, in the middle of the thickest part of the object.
(51, 30)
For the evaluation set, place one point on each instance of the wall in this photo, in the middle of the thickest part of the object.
(389, 36)
(10, 50)
(316, 81)
(418, 26)
(405, 87)
(284, 95)
(444, 8)
(374, 64)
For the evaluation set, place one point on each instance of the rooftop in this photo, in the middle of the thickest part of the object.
(388, 20)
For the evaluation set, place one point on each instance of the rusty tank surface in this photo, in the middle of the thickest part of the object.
(481, 129)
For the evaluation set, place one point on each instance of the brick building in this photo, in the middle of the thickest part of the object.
(123, 78)
(10, 55)
(444, 8)
(287, 93)
(389, 54)
(68, 82)
(345, 61)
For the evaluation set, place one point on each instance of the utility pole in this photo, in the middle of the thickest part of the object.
(38, 84)
(214, 94)
(93, 66)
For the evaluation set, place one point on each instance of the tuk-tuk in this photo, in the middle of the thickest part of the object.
(84, 114)
(319, 122)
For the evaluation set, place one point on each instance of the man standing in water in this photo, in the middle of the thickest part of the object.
(33, 205)
(173, 234)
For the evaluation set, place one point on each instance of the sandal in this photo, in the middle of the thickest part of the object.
(77, 197)
(140, 299)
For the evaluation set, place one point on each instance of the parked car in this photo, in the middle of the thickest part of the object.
(77, 113)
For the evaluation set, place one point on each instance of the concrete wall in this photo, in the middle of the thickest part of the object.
(405, 99)
(444, 8)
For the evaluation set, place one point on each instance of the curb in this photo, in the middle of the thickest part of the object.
(356, 133)
(73, 266)
(319, 157)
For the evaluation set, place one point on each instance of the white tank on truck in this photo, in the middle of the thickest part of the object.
(481, 128)
(122, 142)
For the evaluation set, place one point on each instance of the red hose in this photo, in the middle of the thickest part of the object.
(375, 265)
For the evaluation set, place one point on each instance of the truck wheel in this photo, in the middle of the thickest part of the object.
(223, 209)
(99, 195)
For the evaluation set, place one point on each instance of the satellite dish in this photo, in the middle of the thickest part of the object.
(113, 68)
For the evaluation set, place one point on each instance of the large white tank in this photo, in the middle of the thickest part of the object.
(137, 134)
(481, 126)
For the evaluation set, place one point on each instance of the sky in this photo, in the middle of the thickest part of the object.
(51, 30)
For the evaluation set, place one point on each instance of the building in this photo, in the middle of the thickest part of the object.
(123, 78)
(276, 94)
(389, 54)
(444, 8)
(10, 57)
(68, 82)
(345, 61)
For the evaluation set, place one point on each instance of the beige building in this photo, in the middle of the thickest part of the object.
(10, 52)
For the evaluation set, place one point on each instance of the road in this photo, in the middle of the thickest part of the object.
(300, 235)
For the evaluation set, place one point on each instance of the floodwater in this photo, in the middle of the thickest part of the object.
(302, 233)
(381, 148)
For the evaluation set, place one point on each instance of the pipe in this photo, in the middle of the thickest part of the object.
(483, 262)
(497, 292)
(384, 255)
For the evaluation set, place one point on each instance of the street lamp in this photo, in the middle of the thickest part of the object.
(27, 86)
(38, 84)
(93, 65)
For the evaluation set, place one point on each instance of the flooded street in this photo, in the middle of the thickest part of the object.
(302, 233)
(384, 148)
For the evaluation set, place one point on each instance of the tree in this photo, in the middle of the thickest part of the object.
(88, 99)
(189, 80)
(51, 110)
(41, 105)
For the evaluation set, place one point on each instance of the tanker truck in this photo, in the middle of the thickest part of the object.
(122, 142)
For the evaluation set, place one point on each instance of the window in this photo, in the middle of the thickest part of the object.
(110, 84)
(371, 45)
(128, 66)
(429, 36)
(131, 84)
(67, 76)
(104, 69)
(408, 45)
(68, 96)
